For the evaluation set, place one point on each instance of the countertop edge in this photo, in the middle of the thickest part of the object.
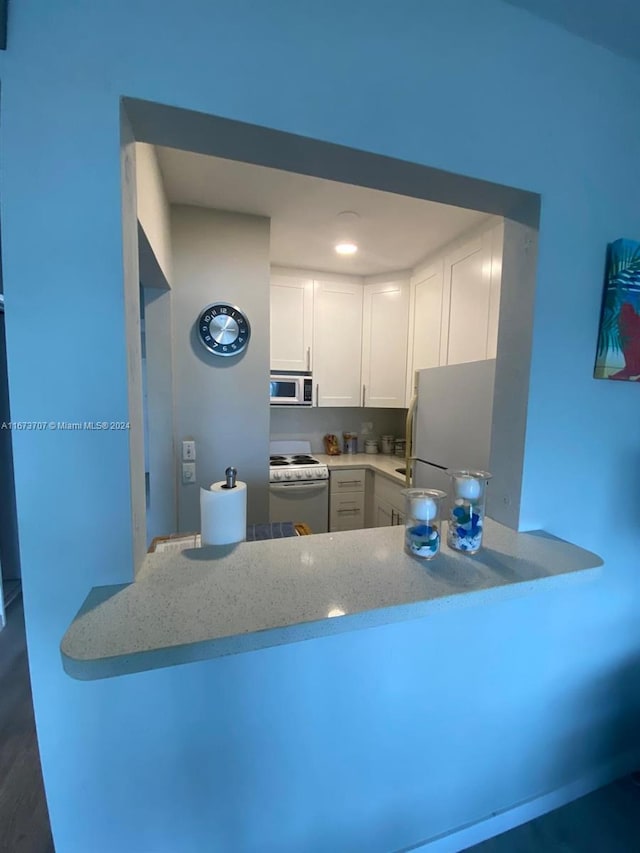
(366, 461)
(93, 669)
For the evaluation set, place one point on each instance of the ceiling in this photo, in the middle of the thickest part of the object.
(614, 24)
(393, 232)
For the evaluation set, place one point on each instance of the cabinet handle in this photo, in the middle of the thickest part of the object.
(317, 394)
(351, 511)
(342, 483)
(308, 358)
(364, 388)
(393, 517)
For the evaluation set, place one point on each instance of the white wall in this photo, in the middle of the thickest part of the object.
(162, 512)
(221, 403)
(387, 737)
(155, 269)
(152, 205)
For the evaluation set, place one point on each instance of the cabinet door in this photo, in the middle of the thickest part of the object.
(291, 322)
(425, 322)
(337, 336)
(382, 514)
(388, 502)
(384, 344)
(467, 291)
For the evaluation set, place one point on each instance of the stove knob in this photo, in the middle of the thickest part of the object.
(299, 475)
(277, 475)
(287, 474)
(308, 474)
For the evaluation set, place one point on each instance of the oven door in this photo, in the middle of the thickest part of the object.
(301, 502)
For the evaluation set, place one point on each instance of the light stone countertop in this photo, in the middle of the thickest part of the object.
(378, 462)
(221, 600)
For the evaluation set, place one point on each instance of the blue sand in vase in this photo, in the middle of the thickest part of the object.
(422, 522)
(466, 517)
(423, 539)
(465, 527)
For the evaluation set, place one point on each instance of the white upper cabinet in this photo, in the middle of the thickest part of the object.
(467, 290)
(291, 323)
(364, 341)
(471, 299)
(384, 343)
(337, 343)
(425, 321)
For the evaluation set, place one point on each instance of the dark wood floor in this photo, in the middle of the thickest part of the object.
(24, 820)
(607, 821)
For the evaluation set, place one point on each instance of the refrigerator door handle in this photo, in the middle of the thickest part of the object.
(408, 447)
(426, 462)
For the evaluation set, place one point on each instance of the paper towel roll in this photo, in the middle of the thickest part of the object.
(223, 514)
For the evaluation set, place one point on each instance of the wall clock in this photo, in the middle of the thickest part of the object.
(223, 329)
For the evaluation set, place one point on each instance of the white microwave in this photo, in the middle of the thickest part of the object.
(290, 389)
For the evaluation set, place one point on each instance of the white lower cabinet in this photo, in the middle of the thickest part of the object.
(388, 503)
(360, 498)
(347, 500)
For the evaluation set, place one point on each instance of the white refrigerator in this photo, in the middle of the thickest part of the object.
(450, 422)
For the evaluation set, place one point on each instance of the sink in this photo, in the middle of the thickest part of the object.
(401, 470)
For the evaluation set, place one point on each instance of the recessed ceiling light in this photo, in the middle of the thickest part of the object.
(346, 248)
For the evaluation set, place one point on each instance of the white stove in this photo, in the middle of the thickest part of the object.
(298, 485)
(294, 465)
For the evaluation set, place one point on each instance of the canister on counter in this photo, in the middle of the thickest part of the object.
(371, 445)
(386, 444)
(350, 442)
(400, 446)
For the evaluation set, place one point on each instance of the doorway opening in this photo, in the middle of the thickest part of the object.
(191, 141)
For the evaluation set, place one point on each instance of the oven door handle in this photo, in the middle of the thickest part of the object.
(317, 485)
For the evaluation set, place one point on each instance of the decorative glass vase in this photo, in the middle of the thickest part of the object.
(422, 522)
(466, 515)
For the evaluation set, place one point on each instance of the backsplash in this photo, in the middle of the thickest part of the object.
(314, 423)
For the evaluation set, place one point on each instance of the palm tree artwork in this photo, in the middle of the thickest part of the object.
(618, 355)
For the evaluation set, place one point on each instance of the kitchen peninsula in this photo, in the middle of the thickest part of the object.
(210, 602)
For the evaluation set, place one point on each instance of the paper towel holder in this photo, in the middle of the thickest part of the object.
(231, 475)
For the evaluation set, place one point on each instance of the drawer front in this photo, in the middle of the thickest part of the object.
(346, 512)
(347, 481)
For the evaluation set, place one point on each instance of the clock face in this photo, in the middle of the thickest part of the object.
(223, 329)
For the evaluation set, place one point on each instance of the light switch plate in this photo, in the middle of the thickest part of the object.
(188, 451)
(188, 472)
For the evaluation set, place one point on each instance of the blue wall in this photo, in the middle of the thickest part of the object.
(378, 740)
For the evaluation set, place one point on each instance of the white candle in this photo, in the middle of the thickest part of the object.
(468, 488)
(423, 509)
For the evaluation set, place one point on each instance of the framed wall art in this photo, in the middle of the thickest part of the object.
(618, 354)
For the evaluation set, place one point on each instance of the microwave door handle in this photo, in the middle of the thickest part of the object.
(308, 358)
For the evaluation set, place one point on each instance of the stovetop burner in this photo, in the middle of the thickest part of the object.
(294, 459)
(291, 469)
